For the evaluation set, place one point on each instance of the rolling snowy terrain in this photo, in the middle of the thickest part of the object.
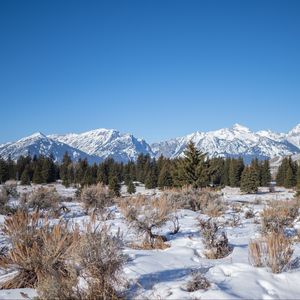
(99, 144)
(164, 274)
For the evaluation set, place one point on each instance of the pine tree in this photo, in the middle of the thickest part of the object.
(165, 177)
(25, 177)
(64, 169)
(289, 181)
(250, 180)
(131, 187)
(4, 171)
(114, 186)
(298, 181)
(235, 171)
(37, 174)
(193, 168)
(265, 173)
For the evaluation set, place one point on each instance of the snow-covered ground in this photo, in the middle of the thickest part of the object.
(163, 274)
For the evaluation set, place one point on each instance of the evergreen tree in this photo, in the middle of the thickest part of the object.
(37, 174)
(249, 180)
(64, 170)
(265, 173)
(235, 171)
(4, 171)
(165, 177)
(193, 168)
(11, 168)
(289, 181)
(225, 179)
(114, 186)
(25, 177)
(131, 188)
(298, 181)
(48, 170)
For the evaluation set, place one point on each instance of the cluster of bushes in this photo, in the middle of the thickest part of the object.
(274, 249)
(52, 258)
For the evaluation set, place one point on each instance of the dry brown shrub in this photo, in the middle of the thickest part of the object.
(5, 209)
(146, 214)
(95, 197)
(11, 188)
(278, 215)
(197, 282)
(206, 200)
(273, 251)
(249, 214)
(158, 243)
(214, 239)
(101, 260)
(37, 251)
(44, 198)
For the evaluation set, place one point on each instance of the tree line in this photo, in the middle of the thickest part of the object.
(193, 168)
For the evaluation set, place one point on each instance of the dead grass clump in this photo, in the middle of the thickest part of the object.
(249, 214)
(197, 282)
(38, 250)
(273, 251)
(146, 214)
(214, 239)
(11, 188)
(95, 197)
(158, 243)
(44, 198)
(278, 215)
(101, 260)
(205, 200)
(5, 208)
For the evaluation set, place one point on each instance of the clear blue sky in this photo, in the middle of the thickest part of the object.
(157, 69)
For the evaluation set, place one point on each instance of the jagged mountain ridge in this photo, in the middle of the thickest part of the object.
(106, 143)
(234, 142)
(39, 144)
(97, 145)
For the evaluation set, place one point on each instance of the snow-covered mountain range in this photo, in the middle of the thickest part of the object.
(99, 144)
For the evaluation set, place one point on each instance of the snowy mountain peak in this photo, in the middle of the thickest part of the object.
(34, 136)
(238, 127)
(99, 144)
(295, 130)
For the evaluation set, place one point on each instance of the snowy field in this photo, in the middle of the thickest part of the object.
(164, 274)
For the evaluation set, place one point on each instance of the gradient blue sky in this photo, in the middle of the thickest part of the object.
(157, 69)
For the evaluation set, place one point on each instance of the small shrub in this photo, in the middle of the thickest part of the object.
(101, 260)
(44, 198)
(11, 188)
(146, 214)
(279, 215)
(197, 282)
(205, 200)
(273, 251)
(95, 197)
(214, 239)
(5, 208)
(249, 214)
(37, 250)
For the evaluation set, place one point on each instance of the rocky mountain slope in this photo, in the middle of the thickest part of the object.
(99, 144)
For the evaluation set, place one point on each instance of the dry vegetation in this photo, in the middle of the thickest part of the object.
(197, 282)
(101, 261)
(43, 198)
(273, 250)
(95, 197)
(214, 239)
(205, 200)
(145, 215)
(278, 215)
(51, 258)
(37, 250)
